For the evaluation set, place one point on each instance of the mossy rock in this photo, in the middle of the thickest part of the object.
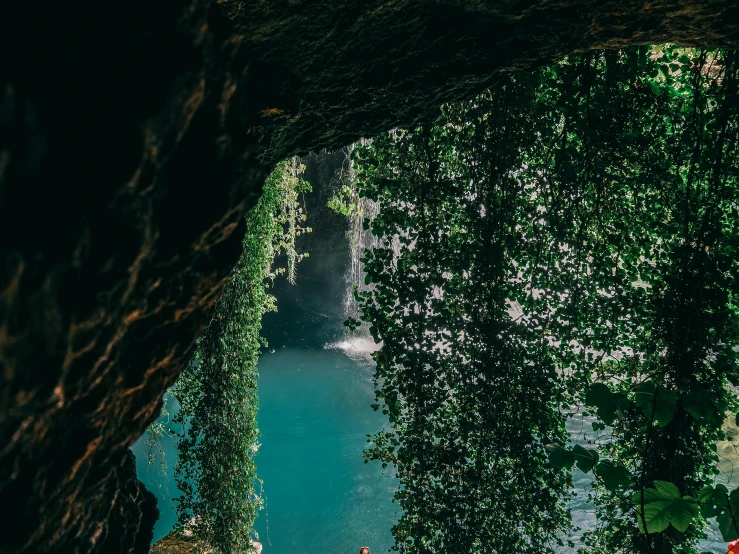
(174, 543)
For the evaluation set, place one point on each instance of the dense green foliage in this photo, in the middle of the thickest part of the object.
(218, 400)
(568, 238)
(683, 327)
(471, 394)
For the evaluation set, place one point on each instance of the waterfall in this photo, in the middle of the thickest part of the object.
(360, 239)
(357, 344)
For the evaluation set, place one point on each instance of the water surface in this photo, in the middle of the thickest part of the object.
(320, 496)
(314, 417)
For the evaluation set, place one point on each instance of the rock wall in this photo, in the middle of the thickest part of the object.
(134, 136)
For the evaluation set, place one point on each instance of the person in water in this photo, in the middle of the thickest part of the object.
(364, 550)
(733, 547)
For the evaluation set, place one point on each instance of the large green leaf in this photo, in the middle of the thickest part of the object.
(559, 457)
(644, 394)
(728, 526)
(614, 476)
(667, 490)
(700, 405)
(610, 405)
(646, 496)
(683, 512)
(584, 459)
(663, 506)
(657, 403)
(728, 520)
(656, 517)
(713, 500)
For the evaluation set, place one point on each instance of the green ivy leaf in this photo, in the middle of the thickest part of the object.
(609, 405)
(584, 459)
(663, 506)
(352, 323)
(614, 476)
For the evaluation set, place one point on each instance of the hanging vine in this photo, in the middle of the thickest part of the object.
(568, 238)
(217, 394)
(471, 393)
(674, 390)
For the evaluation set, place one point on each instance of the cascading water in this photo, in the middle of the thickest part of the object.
(360, 240)
(358, 344)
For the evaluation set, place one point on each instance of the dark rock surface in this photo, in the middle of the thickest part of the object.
(133, 136)
(132, 515)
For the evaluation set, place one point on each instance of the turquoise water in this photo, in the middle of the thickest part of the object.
(320, 495)
(314, 415)
(158, 476)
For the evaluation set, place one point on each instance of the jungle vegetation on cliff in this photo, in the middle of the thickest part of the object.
(565, 241)
(217, 394)
(564, 244)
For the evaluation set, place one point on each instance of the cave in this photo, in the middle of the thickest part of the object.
(133, 141)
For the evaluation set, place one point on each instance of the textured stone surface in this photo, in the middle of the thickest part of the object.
(133, 136)
(178, 542)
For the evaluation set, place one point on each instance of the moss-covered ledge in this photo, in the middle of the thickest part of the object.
(174, 543)
(179, 542)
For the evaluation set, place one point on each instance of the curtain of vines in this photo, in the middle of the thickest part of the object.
(472, 394)
(217, 394)
(673, 391)
(567, 238)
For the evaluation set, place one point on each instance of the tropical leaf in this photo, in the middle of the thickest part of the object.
(700, 405)
(657, 403)
(662, 506)
(713, 501)
(614, 476)
(584, 459)
(608, 404)
(727, 524)
(559, 457)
